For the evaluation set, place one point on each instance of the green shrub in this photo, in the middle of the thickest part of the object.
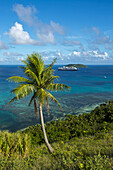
(80, 142)
(100, 120)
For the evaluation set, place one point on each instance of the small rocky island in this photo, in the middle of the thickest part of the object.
(77, 65)
(72, 67)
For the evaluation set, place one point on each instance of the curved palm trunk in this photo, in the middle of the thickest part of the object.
(44, 132)
(36, 108)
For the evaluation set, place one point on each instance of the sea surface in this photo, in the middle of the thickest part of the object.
(89, 87)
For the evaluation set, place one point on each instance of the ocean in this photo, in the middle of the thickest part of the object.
(89, 88)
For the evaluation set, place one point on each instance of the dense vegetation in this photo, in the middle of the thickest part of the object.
(79, 142)
(99, 120)
(77, 65)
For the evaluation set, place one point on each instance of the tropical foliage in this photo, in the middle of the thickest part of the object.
(98, 121)
(90, 149)
(39, 81)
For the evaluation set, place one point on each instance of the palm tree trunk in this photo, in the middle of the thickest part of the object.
(44, 132)
(47, 105)
(36, 108)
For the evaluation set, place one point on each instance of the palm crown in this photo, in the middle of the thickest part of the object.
(39, 80)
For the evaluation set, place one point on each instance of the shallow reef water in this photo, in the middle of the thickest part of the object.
(89, 88)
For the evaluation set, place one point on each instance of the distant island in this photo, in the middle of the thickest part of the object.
(77, 65)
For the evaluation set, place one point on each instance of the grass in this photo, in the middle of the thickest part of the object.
(81, 142)
(92, 152)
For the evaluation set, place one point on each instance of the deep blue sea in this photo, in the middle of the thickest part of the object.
(89, 87)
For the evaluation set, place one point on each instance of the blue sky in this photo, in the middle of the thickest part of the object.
(74, 31)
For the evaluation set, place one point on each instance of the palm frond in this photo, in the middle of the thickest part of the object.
(40, 80)
(32, 75)
(58, 87)
(18, 79)
(23, 89)
(48, 70)
(47, 81)
(32, 98)
(54, 99)
(26, 64)
(51, 65)
(36, 62)
(22, 67)
(15, 99)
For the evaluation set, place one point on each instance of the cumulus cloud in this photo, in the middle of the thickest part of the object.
(45, 32)
(75, 56)
(46, 37)
(19, 36)
(89, 55)
(3, 46)
(76, 53)
(96, 54)
(49, 55)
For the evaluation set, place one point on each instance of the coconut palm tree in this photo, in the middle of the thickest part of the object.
(38, 80)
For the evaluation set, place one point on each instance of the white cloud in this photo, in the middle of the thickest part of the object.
(89, 55)
(76, 56)
(45, 32)
(71, 42)
(19, 36)
(103, 40)
(49, 55)
(85, 53)
(76, 53)
(92, 56)
(46, 38)
(11, 54)
(26, 14)
(3, 45)
(1, 59)
(57, 28)
(74, 37)
(59, 53)
(46, 58)
(20, 58)
(96, 54)
(12, 57)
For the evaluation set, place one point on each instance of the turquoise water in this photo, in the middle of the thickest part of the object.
(89, 88)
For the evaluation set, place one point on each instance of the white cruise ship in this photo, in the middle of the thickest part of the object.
(64, 68)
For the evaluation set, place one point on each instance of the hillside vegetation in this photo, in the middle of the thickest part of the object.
(79, 142)
(77, 65)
